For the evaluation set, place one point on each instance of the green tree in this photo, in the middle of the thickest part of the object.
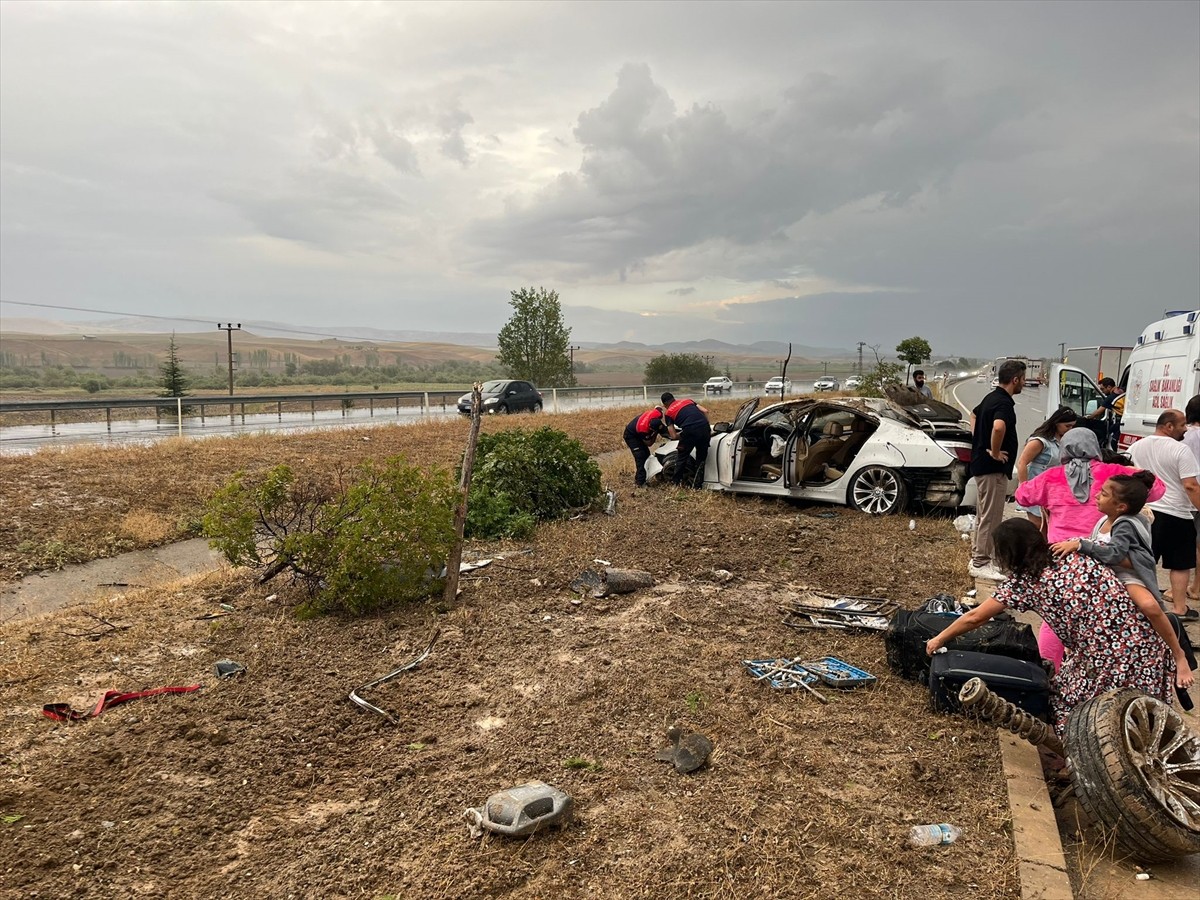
(876, 380)
(173, 381)
(913, 351)
(534, 343)
(678, 368)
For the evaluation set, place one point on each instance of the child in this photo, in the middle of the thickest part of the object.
(1121, 540)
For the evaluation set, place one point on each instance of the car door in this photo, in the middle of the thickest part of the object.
(729, 443)
(519, 395)
(1073, 388)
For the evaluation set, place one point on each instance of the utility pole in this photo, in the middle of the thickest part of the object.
(572, 350)
(1062, 351)
(861, 344)
(229, 328)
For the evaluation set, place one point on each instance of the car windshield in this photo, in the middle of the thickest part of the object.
(492, 387)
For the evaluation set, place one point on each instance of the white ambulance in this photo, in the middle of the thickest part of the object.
(1163, 373)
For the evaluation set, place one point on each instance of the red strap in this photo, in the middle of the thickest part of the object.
(62, 712)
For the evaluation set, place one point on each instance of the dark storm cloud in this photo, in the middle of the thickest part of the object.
(654, 179)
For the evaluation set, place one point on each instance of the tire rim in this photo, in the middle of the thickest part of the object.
(876, 491)
(1166, 754)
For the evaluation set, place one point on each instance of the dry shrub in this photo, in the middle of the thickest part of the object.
(146, 527)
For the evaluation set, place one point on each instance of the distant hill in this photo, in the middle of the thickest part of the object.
(308, 340)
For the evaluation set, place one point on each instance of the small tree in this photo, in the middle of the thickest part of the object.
(534, 343)
(678, 368)
(913, 351)
(876, 381)
(173, 381)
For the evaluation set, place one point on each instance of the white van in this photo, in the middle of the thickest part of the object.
(1163, 373)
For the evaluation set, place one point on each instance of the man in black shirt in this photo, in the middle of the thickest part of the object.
(993, 453)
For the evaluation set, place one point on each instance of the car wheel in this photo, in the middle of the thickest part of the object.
(878, 491)
(1135, 765)
(502, 409)
(669, 463)
(537, 408)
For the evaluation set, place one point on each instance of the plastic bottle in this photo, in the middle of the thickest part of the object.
(932, 835)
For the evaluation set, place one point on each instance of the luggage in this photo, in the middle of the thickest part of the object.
(910, 629)
(1023, 683)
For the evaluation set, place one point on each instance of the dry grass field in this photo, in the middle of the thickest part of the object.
(273, 784)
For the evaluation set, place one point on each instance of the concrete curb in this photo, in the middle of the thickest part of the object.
(1041, 863)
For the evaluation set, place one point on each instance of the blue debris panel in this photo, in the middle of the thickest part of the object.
(838, 673)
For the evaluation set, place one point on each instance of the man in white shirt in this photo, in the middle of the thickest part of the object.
(1191, 439)
(1173, 533)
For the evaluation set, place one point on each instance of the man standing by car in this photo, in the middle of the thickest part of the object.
(920, 386)
(1111, 408)
(639, 435)
(993, 454)
(687, 422)
(1173, 531)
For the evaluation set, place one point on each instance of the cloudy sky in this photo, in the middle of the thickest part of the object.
(994, 177)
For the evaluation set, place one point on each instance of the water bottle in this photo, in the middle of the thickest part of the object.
(932, 835)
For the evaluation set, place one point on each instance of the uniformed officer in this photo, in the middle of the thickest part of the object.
(640, 433)
(687, 421)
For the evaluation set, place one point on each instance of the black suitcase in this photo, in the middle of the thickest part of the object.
(1023, 683)
(910, 629)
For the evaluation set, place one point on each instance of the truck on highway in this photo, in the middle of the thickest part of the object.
(1033, 369)
(1099, 362)
(1162, 371)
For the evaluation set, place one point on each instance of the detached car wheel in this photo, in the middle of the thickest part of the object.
(878, 491)
(1135, 765)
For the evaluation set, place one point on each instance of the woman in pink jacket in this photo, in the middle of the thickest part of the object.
(1067, 494)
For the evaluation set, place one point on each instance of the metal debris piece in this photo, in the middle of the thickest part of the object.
(817, 609)
(838, 673)
(227, 668)
(784, 673)
(359, 701)
(610, 503)
(688, 751)
(520, 810)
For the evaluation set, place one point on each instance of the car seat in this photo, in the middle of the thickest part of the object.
(812, 465)
(860, 433)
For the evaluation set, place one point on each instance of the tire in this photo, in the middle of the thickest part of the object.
(1135, 765)
(537, 408)
(670, 461)
(878, 491)
(502, 409)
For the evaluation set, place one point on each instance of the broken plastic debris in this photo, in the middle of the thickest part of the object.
(602, 562)
(687, 753)
(226, 668)
(521, 810)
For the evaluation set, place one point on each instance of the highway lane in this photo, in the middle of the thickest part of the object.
(1030, 404)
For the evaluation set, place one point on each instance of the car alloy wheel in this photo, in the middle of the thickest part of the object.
(1135, 765)
(878, 491)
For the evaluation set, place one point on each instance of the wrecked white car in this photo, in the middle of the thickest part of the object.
(878, 456)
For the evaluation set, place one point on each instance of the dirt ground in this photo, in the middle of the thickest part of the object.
(274, 784)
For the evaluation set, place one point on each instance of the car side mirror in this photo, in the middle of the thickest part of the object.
(721, 428)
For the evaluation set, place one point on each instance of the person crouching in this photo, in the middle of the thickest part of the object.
(640, 434)
(687, 422)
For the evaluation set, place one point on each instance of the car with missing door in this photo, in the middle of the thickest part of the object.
(879, 456)
(505, 396)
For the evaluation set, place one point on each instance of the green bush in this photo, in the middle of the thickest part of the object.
(369, 537)
(522, 478)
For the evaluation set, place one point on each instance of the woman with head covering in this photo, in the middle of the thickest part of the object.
(1067, 495)
(1041, 452)
(1116, 640)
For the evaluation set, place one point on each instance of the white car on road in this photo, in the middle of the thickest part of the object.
(778, 385)
(718, 384)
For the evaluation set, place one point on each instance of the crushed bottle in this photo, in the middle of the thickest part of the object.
(933, 835)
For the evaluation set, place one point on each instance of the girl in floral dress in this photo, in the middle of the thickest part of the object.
(1115, 641)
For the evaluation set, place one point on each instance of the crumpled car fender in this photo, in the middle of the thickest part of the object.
(654, 465)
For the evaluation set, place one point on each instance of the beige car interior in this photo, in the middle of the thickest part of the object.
(834, 439)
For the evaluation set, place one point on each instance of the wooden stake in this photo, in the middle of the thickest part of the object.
(464, 488)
